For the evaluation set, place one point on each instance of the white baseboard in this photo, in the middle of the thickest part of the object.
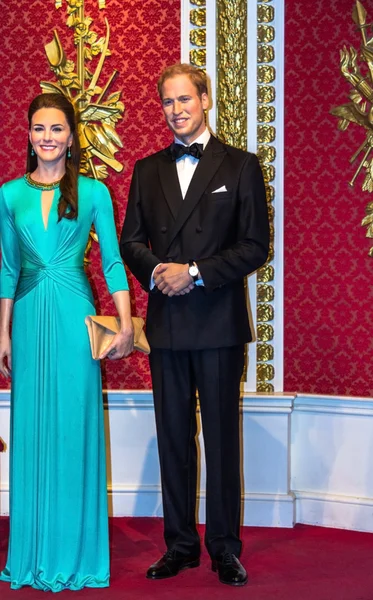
(4, 502)
(268, 510)
(327, 510)
(259, 510)
(135, 501)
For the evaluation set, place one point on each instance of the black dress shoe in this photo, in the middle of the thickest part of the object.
(171, 564)
(229, 569)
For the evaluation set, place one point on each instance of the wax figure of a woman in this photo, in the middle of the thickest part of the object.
(58, 501)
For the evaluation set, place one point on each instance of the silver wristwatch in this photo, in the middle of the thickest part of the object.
(193, 270)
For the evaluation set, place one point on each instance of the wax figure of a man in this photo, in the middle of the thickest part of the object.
(196, 224)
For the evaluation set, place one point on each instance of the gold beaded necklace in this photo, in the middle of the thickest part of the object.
(41, 186)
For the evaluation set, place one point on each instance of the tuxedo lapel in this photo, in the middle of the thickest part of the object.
(210, 162)
(170, 182)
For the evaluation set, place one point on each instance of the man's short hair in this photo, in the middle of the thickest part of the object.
(197, 77)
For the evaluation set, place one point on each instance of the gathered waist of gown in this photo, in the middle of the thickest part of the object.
(68, 274)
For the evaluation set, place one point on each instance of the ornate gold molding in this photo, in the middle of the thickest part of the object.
(232, 72)
(231, 127)
(266, 14)
(197, 36)
(231, 123)
(266, 34)
(266, 153)
(266, 74)
(198, 17)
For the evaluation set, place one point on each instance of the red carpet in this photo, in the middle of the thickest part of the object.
(304, 563)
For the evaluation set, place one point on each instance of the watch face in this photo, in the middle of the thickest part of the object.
(193, 271)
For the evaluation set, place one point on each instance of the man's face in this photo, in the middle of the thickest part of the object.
(183, 108)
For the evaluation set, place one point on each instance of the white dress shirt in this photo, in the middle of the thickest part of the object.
(187, 164)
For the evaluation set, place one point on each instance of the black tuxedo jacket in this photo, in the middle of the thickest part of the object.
(226, 233)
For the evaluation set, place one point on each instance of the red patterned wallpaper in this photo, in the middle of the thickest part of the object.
(328, 273)
(144, 39)
(328, 341)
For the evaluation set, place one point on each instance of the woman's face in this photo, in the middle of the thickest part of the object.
(50, 135)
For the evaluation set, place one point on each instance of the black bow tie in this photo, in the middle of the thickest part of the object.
(178, 150)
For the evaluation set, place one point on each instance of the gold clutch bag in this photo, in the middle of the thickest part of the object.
(101, 331)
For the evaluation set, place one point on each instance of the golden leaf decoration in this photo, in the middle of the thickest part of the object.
(357, 70)
(98, 111)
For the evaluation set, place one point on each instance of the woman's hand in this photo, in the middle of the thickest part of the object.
(122, 344)
(5, 355)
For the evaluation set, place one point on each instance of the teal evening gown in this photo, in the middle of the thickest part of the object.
(58, 498)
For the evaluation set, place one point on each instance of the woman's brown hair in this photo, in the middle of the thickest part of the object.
(68, 203)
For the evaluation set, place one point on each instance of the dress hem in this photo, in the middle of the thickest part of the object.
(47, 588)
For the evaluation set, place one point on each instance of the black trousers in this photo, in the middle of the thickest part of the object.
(176, 375)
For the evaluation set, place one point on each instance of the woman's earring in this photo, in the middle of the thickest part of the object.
(32, 151)
(69, 152)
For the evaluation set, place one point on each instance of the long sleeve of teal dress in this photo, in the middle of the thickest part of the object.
(11, 260)
(58, 498)
(103, 220)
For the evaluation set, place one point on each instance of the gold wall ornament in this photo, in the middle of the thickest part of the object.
(264, 352)
(231, 102)
(265, 293)
(265, 312)
(271, 229)
(198, 37)
(266, 34)
(270, 190)
(266, 134)
(266, 74)
(265, 388)
(357, 69)
(98, 112)
(271, 252)
(266, 14)
(266, 93)
(265, 372)
(271, 211)
(198, 57)
(198, 17)
(266, 114)
(269, 173)
(232, 76)
(266, 54)
(264, 333)
(266, 274)
(266, 153)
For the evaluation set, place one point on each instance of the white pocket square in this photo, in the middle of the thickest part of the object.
(221, 189)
